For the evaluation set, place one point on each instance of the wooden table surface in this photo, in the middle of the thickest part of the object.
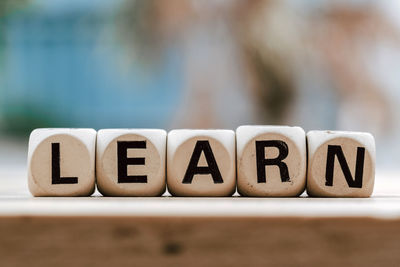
(173, 231)
(15, 200)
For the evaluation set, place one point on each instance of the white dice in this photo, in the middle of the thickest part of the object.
(271, 161)
(131, 162)
(61, 162)
(201, 163)
(262, 161)
(340, 164)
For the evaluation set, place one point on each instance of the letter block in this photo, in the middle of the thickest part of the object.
(340, 164)
(131, 162)
(61, 162)
(271, 161)
(201, 163)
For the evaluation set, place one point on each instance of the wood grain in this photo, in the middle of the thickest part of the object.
(169, 231)
(198, 241)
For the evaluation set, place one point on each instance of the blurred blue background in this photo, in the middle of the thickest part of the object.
(59, 67)
(200, 64)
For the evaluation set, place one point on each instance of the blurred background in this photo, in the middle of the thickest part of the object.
(199, 64)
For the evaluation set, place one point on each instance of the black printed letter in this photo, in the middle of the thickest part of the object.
(262, 161)
(212, 168)
(124, 161)
(55, 167)
(330, 162)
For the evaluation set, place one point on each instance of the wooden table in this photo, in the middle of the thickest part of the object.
(167, 231)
